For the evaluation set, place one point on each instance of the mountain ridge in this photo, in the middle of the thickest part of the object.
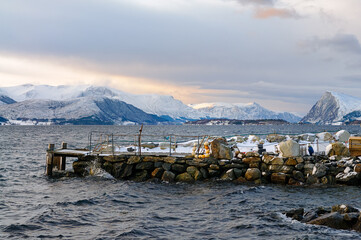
(242, 111)
(84, 110)
(168, 109)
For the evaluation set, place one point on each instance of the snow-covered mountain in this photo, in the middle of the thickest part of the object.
(30, 92)
(82, 102)
(159, 105)
(334, 107)
(83, 110)
(249, 111)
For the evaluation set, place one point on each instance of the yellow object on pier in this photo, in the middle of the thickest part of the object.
(355, 146)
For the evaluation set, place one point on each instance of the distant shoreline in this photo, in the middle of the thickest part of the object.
(224, 121)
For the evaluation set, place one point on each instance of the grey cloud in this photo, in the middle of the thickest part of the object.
(256, 2)
(353, 79)
(343, 43)
(109, 31)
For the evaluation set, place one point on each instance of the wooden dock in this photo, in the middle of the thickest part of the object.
(56, 158)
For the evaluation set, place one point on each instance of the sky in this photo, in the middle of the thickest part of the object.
(281, 54)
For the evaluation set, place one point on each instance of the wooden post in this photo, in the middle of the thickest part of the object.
(113, 144)
(170, 145)
(49, 160)
(140, 140)
(198, 147)
(90, 142)
(63, 158)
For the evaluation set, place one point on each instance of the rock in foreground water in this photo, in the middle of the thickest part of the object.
(339, 217)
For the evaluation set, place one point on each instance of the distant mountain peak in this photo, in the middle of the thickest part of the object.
(332, 107)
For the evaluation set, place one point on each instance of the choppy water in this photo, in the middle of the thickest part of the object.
(33, 206)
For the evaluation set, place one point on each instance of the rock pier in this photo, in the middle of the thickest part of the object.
(247, 167)
(220, 160)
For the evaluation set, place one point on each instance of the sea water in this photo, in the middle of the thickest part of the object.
(33, 206)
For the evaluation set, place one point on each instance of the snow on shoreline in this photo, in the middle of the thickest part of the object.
(249, 145)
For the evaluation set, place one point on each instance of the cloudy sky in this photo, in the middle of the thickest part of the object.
(281, 54)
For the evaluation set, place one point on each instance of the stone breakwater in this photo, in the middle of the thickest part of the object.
(248, 167)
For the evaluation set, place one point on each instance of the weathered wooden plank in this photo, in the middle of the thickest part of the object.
(70, 152)
(50, 160)
(63, 158)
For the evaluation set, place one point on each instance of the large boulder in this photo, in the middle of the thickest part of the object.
(344, 209)
(298, 175)
(289, 148)
(350, 178)
(82, 168)
(308, 168)
(291, 162)
(324, 136)
(128, 170)
(357, 168)
(228, 176)
(357, 226)
(319, 170)
(308, 137)
(179, 168)
(157, 173)
(277, 161)
(168, 176)
(239, 139)
(275, 138)
(253, 138)
(144, 166)
(194, 172)
(312, 179)
(279, 178)
(340, 217)
(250, 160)
(253, 174)
(333, 220)
(296, 214)
(220, 149)
(134, 159)
(184, 177)
(140, 176)
(338, 149)
(342, 136)
(237, 172)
